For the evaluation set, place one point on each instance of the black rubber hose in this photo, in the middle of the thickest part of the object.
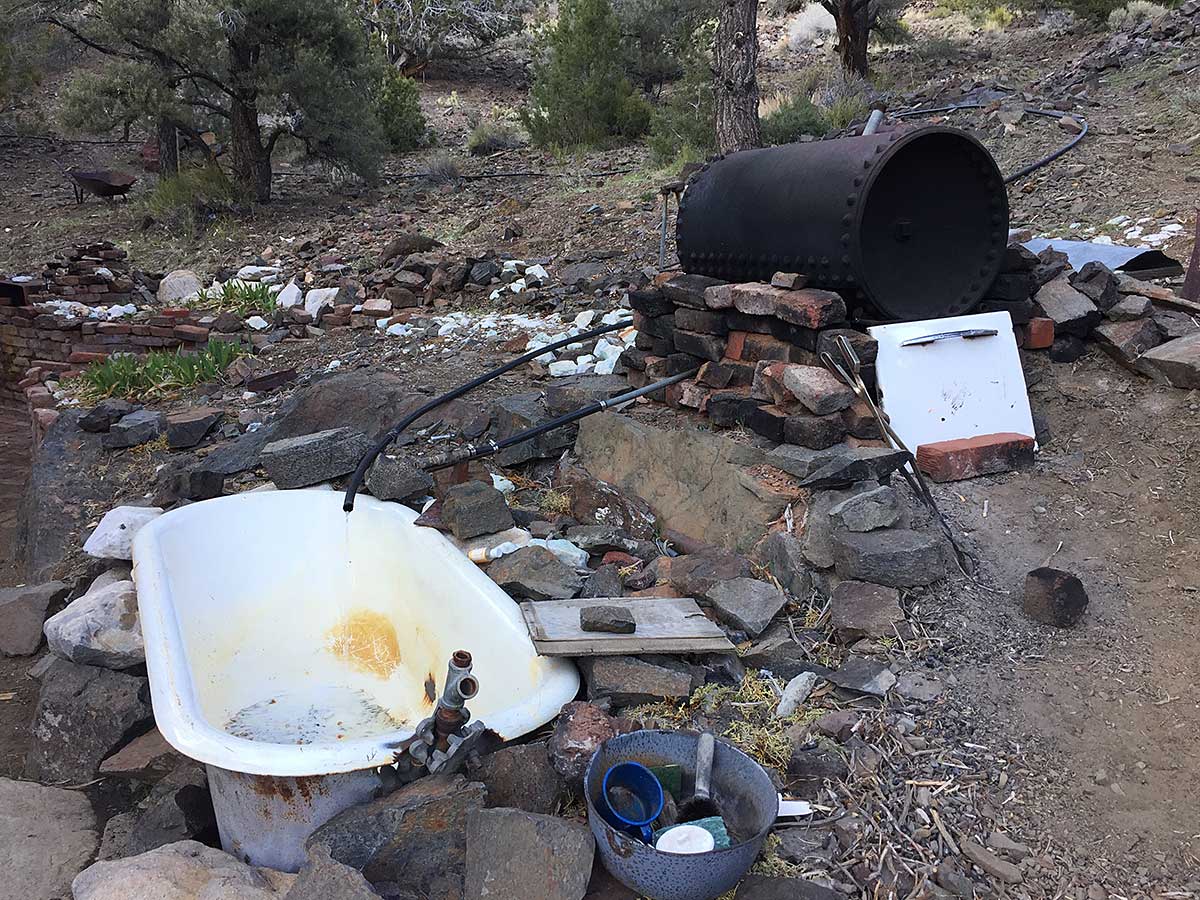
(360, 473)
(473, 451)
(1024, 170)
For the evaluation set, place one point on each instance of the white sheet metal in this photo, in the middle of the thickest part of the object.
(954, 387)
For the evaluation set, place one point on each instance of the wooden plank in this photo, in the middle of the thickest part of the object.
(664, 625)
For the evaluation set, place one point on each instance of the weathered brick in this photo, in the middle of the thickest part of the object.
(758, 324)
(791, 281)
(964, 458)
(814, 432)
(701, 320)
(1054, 597)
(1039, 333)
(660, 367)
(755, 298)
(633, 358)
(767, 420)
(818, 389)
(860, 422)
(693, 395)
(724, 407)
(810, 308)
(726, 373)
(865, 347)
(83, 356)
(719, 297)
(705, 346)
(750, 347)
(688, 290)
(650, 303)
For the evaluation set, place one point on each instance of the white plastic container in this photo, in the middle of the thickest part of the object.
(287, 638)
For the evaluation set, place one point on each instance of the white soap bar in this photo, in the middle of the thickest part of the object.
(685, 839)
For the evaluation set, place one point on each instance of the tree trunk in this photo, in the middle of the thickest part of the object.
(735, 60)
(168, 149)
(853, 28)
(251, 158)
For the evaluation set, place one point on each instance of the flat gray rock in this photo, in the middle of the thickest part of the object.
(135, 429)
(877, 507)
(515, 855)
(746, 603)
(867, 676)
(895, 557)
(630, 681)
(312, 458)
(83, 715)
(535, 573)
(183, 871)
(23, 611)
(856, 464)
(47, 836)
(324, 878)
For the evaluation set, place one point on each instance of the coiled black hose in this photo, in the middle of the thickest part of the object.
(1024, 170)
(360, 473)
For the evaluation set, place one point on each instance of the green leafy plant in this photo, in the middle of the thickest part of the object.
(158, 372)
(246, 298)
(683, 125)
(786, 120)
(580, 96)
(194, 199)
(399, 111)
(490, 135)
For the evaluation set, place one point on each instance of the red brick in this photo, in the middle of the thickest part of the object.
(114, 328)
(693, 395)
(735, 344)
(1040, 333)
(726, 373)
(811, 308)
(673, 394)
(191, 333)
(80, 356)
(616, 557)
(757, 347)
(175, 312)
(964, 458)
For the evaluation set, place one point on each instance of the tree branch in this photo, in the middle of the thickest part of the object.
(87, 41)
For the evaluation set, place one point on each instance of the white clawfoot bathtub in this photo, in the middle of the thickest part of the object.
(286, 638)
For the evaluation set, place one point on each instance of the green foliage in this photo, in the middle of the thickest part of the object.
(491, 135)
(246, 298)
(1133, 12)
(845, 110)
(414, 32)
(18, 70)
(158, 372)
(580, 96)
(657, 36)
(683, 127)
(303, 66)
(193, 198)
(400, 111)
(795, 116)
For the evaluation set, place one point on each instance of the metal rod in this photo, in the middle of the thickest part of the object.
(473, 451)
(369, 457)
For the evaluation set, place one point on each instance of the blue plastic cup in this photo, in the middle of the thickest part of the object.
(632, 798)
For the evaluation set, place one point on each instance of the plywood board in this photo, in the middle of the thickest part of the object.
(664, 625)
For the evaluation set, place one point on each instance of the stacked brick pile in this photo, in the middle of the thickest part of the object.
(758, 346)
(95, 274)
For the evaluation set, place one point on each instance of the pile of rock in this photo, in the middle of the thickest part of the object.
(1150, 36)
(92, 274)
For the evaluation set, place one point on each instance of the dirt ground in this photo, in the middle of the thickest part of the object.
(1098, 726)
(1105, 717)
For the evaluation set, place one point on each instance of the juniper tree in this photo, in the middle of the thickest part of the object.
(256, 69)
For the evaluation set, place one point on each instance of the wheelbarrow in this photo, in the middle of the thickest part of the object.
(100, 183)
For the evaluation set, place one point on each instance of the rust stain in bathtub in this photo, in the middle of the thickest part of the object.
(367, 641)
(430, 690)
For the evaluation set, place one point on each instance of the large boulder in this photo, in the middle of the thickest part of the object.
(83, 714)
(415, 837)
(101, 628)
(60, 497)
(47, 835)
(515, 855)
(23, 611)
(186, 870)
(179, 287)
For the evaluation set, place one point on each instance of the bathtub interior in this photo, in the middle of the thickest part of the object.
(298, 624)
